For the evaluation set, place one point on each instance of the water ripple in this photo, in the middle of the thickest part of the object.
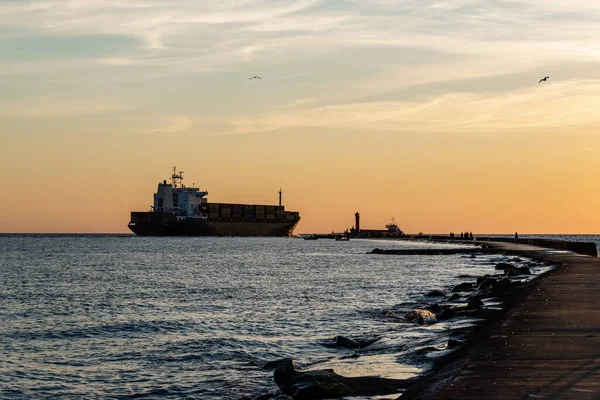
(130, 317)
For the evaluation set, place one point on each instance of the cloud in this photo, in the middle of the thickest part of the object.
(161, 124)
(236, 32)
(589, 150)
(65, 106)
(562, 106)
(437, 46)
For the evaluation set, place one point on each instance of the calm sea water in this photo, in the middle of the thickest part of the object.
(106, 316)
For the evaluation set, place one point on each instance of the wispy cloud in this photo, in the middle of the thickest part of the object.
(49, 106)
(242, 29)
(565, 105)
(163, 124)
(589, 150)
(363, 58)
(281, 78)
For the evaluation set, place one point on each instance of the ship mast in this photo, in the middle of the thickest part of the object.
(176, 177)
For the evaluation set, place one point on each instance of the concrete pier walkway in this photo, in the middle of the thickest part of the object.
(547, 348)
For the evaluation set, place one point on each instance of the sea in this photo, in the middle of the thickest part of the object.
(122, 316)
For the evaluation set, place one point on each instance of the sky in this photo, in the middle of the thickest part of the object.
(428, 112)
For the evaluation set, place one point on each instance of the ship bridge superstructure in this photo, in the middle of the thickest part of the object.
(175, 197)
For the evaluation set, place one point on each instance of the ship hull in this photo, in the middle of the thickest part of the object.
(164, 224)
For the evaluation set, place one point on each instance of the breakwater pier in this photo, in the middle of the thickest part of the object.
(528, 330)
(537, 338)
(546, 348)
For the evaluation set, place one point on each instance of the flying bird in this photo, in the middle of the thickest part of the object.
(544, 79)
(254, 77)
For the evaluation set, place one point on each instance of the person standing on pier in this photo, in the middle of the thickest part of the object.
(516, 238)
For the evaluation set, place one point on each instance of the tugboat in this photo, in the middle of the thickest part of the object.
(393, 229)
(185, 211)
(344, 237)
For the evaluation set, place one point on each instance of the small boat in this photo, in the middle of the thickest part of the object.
(393, 229)
(342, 238)
(311, 237)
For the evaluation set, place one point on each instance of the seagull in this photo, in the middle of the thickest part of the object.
(254, 77)
(544, 79)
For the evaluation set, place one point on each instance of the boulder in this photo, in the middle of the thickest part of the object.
(512, 270)
(447, 313)
(486, 283)
(502, 287)
(464, 287)
(453, 343)
(326, 384)
(481, 293)
(434, 308)
(422, 317)
(276, 363)
(504, 266)
(455, 296)
(483, 278)
(348, 343)
(474, 303)
(517, 271)
(343, 341)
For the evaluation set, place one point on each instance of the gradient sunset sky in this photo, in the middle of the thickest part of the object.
(426, 111)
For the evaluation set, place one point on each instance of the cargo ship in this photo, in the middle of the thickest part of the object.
(185, 211)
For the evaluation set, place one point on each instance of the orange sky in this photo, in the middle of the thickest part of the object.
(426, 112)
(429, 182)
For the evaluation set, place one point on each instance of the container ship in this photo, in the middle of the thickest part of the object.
(184, 211)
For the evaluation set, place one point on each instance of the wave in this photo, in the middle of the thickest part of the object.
(121, 329)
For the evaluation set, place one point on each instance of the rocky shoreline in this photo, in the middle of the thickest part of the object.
(510, 290)
(481, 301)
